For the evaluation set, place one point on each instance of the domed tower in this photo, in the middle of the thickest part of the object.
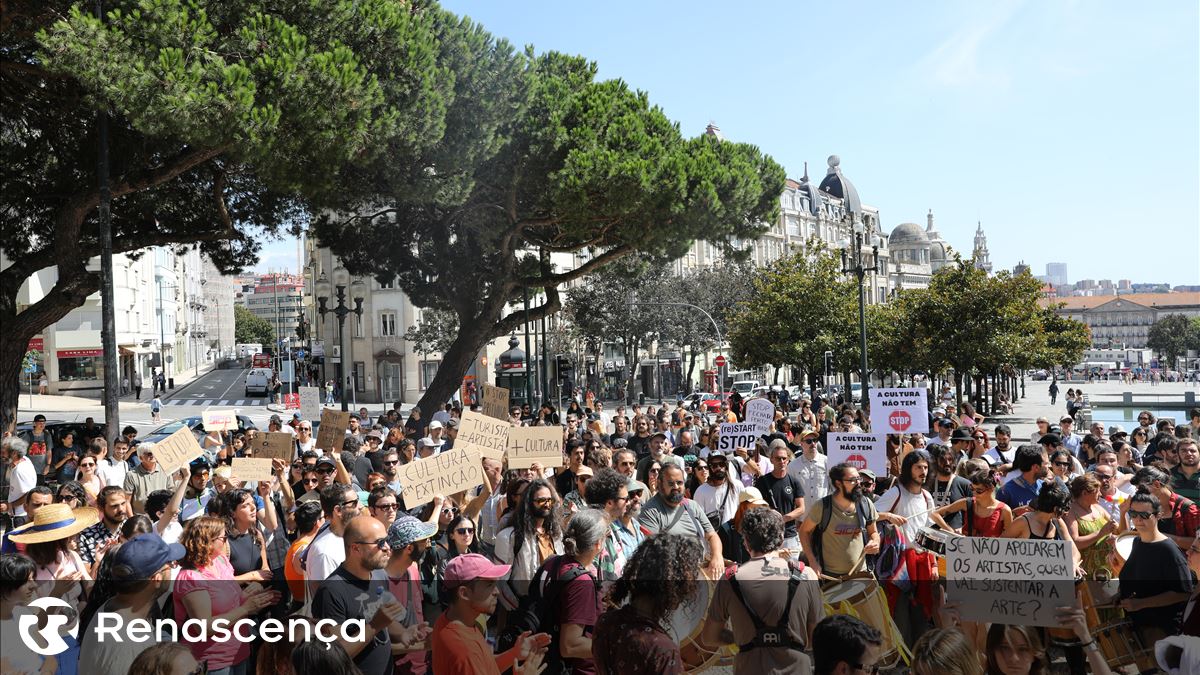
(939, 249)
(839, 186)
(980, 254)
(909, 245)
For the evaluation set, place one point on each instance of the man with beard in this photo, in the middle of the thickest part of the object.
(112, 503)
(1185, 478)
(354, 591)
(1018, 491)
(687, 445)
(408, 539)
(718, 497)
(639, 442)
(1002, 454)
(532, 537)
(625, 462)
(668, 512)
(946, 486)
(564, 482)
(340, 505)
(658, 443)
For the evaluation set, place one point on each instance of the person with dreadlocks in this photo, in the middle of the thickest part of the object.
(535, 534)
(631, 639)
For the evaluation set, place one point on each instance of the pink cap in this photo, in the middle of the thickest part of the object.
(467, 568)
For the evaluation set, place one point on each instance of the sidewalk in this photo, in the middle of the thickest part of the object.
(92, 400)
(1037, 401)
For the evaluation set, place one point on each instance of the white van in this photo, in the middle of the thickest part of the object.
(745, 387)
(257, 381)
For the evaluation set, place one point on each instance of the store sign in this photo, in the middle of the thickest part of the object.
(36, 345)
(78, 353)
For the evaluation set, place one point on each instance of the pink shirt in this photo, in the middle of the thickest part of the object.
(225, 595)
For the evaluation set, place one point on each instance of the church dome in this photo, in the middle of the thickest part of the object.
(907, 234)
(839, 186)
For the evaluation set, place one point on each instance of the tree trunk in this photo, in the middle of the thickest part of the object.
(691, 367)
(472, 337)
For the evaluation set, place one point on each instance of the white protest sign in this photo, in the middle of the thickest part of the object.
(861, 451)
(486, 434)
(310, 403)
(761, 413)
(899, 411)
(252, 469)
(527, 445)
(446, 473)
(219, 420)
(1013, 581)
(736, 435)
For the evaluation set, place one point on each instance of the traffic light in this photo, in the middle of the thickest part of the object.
(828, 364)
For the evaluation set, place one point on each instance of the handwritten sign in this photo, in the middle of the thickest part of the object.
(219, 420)
(310, 403)
(274, 445)
(486, 434)
(332, 430)
(736, 435)
(494, 401)
(899, 411)
(177, 450)
(861, 451)
(252, 469)
(445, 473)
(1014, 581)
(761, 413)
(527, 445)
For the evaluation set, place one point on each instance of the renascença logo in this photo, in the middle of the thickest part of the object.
(51, 633)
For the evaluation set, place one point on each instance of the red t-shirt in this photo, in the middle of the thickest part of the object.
(579, 604)
(459, 649)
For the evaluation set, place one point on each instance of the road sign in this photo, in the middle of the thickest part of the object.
(720, 361)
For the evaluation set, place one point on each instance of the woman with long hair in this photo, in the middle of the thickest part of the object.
(1045, 520)
(984, 516)
(73, 494)
(696, 477)
(945, 651)
(1140, 441)
(806, 415)
(630, 639)
(652, 479)
(206, 590)
(245, 543)
(514, 492)
(60, 571)
(979, 442)
(1017, 650)
(1091, 527)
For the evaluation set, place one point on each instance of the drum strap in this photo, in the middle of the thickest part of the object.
(775, 636)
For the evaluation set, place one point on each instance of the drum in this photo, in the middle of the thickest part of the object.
(933, 540)
(684, 626)
(1124, 546)
(1122, 646)
(861, 596)
(1083, 592)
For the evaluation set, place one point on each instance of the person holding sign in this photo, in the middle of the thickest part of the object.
(145, 478)
(1045, 521)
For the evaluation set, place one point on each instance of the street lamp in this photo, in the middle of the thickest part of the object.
(341, 311)
(852, 263)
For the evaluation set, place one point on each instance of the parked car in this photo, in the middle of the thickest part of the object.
(58, 427)
(196, 424)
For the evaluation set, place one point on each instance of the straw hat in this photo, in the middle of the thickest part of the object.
(53, 522)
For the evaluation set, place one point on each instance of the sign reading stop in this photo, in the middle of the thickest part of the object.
(720, 361)
(857, 461)
(900, 420)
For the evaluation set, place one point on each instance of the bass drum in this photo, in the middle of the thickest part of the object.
(684, 626)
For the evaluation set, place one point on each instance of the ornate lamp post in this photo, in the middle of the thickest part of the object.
(341, 278)
(852, 263)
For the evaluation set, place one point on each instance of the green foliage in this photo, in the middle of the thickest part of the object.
(1172, 336)
(248, 328)
(435, 331)
(1066, 341)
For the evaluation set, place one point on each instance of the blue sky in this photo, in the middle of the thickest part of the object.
(1071, 129)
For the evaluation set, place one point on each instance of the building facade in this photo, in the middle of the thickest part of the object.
(1123, 322)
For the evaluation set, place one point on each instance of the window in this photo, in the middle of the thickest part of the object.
(390, 283)
(387, 323)
(81, 368)
(358, 326)
(428, 371)
(360, 376)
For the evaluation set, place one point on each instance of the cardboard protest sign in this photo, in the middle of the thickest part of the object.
(761, 413)
(527, 445)
(252, 469)
(486, 434)
(445, 473)
(861, 451)
(494, 401)
(899, 411)
(1012, 581)
(274, 444)
(332, 431)
(219, 420)
(310, 403)
(736, 435)
(177, 450)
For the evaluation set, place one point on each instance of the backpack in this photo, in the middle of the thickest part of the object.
(890, 564)
(861, 510)
(770, 636)
(537, 612)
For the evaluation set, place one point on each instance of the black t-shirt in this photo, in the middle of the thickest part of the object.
(1152, 569)
(343, 597)
(564, 482)
(948, 492)
(781, 494)
(640, 445)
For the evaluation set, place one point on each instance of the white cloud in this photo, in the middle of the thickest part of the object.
(956, 61)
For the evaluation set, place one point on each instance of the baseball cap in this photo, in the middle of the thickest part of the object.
(809, 431)
(407, 529)
(584, 471)
(39, 418)
(452, 424)
(144, 555)
(275, 418)
(296, 416)
(1066, 418)
(945, 422)
(635, 485)
(938, 411)
(435, 425)
(752, 495)
(658, 433)
(467, 568)
(427, 442)
(1116, 429)
(867, 472)
(325, 459)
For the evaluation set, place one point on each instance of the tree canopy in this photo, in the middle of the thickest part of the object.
(252, 329)
(1172, 336)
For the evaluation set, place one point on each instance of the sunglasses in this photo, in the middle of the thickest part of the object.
(464, 530)
(387, 507)
(304, 429)
(394, 462)
(1065, 465)
(381, 543)
(348, 503)
(701, 467)
(314, 481)
(87, 465)
(540, 500)
(63, 498)
(453, 511)
(1141, 515)
(326, 469)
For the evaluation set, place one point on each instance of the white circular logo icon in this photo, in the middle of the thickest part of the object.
(50, 634)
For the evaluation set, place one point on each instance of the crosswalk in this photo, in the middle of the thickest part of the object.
(208, 402)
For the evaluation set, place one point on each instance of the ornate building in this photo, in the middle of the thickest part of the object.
(980, 254)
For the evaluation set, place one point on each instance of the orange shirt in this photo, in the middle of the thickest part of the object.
(291, 567)
(459, 649)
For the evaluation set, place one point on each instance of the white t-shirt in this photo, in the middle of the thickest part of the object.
(993, 456)
(325, 553)
(709, 498)
(303, 447)
(172, 532)
(21, 479)
(813, 474)
(899, 501)
(112, 472)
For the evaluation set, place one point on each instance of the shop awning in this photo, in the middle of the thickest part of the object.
(129, 350)
(78, 353)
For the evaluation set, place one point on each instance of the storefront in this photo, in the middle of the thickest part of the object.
(80, 366)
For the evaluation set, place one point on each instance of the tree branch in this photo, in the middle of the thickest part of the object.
(511, 322)
(588, 267)
(178, 166)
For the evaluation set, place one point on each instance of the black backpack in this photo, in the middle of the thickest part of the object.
(862, 511)
(537, 612)
(770, 636)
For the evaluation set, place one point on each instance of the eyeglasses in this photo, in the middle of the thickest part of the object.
(464, 530)
(348, 503)
(1141, 515)
(382, 542)
(852, 481)
(542, 500)
(1065, 465)
(387, 507)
